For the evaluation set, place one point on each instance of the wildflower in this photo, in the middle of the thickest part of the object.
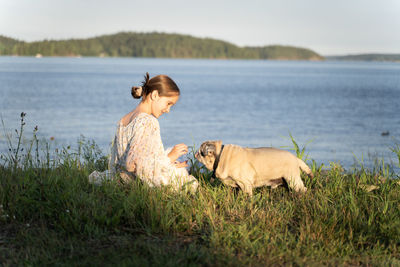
(52, 138)
(67, 211)
(27, 225)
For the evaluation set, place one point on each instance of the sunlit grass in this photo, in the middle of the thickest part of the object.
(51, 215)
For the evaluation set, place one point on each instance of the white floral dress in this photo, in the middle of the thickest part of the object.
(138, 144)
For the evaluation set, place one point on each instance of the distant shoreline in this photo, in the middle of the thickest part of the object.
(153, 45)
(326, 59)
(366, 57)
(80, 57)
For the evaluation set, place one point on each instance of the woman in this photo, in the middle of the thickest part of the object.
(137, 150)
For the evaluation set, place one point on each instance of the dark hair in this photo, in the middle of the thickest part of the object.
(162, 83)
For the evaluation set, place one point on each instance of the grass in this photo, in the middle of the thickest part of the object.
(51, 215)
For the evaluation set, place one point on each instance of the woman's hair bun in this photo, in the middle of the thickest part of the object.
(146, 80)
(137, 92)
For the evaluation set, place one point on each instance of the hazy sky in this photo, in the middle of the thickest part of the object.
(327, 26)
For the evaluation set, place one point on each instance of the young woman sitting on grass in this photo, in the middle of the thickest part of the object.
(137, 150)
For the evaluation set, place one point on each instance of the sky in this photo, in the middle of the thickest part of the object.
(329, 27)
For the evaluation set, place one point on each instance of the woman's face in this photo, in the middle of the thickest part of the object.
(162, 104)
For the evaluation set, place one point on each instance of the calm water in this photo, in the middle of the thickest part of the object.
(342, 106)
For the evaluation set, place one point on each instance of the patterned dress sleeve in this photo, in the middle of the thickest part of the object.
(146, 152)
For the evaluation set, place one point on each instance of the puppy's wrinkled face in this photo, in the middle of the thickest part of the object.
(208, 152)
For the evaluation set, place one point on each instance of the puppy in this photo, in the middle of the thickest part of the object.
(249, 168)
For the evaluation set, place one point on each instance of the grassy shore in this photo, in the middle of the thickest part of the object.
(51, 215)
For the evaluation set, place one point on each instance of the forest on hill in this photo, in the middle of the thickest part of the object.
(155, 45)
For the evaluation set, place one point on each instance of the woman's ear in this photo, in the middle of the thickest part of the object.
(154, 95)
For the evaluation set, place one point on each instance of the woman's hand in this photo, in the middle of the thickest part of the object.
(177, 151)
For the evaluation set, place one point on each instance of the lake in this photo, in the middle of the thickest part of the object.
(341, 107)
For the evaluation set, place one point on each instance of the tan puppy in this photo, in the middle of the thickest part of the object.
(249, 168)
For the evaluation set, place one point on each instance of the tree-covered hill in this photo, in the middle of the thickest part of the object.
(7, 45)
(161, 45)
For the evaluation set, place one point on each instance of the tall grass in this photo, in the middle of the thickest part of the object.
(51, 215)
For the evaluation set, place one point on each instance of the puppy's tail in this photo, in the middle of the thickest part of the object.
(305, 168)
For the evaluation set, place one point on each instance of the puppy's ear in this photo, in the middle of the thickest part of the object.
(204, 148)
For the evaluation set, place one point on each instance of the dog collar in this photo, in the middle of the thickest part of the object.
(217, 161)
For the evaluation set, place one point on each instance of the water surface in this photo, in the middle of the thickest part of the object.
(343, 107)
